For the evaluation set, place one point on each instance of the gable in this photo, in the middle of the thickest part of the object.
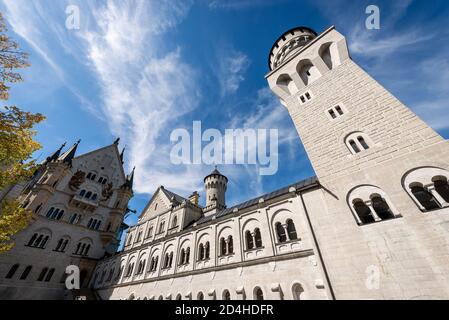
(104, 162)
(158, 204)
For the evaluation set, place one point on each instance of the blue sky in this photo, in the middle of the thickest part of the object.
(139, 69)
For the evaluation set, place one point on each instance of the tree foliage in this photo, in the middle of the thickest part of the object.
(16, 140)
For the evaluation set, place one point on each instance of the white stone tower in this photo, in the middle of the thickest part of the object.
(215, 185)
(384, 172)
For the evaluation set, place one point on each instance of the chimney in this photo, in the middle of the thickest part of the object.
(193, 198)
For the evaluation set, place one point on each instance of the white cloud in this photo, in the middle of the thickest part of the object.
(241, 4)
(232, 67)
(144, 90)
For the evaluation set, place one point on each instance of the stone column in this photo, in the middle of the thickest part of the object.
(436, 195)
(369, 203)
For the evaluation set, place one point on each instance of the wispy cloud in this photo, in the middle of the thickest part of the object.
(144, 89)
(241, 4)
(231, 71)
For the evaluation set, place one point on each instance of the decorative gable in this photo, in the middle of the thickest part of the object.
(158, 204)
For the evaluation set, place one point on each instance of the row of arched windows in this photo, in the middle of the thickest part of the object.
(94, 224)
(38, 240)
(45, 275)
(257, 294)
(428, 187)
(307, 71)
(55, 213)
(93, 176)
(82, 249)
(88, 195)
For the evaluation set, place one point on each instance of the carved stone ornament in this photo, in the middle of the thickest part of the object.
(107, 192)
(77, 179)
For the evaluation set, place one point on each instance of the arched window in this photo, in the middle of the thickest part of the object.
(156, 261)
(175, 222)
(222, 247)
(291, 230)
(297, 291)
(42, 274)
(207, 250)
(425, 198)
(286, 83)
(49, 212)
(363, 212)
(74, 218)
(82, 193)
(357, 142)
(307, 71)
(258, 293)
(325, 54)
(12, 271)
(226, 295)
(94, 197)
(182, 258)
(249, 240)
(201, 252)
(150, 232)
(258, 238)
(187, 255)
(442, 187)
(161, 298)
(33, 238)
(25, 273)
(166, 260)
(381, 207)
(170, 263)
(200, 296)
(49, 275)
(178, 296)
(161, 227)
(230, 245)
(280, 231)
(88, 195)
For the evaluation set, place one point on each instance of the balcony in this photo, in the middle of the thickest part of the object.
(83, 203)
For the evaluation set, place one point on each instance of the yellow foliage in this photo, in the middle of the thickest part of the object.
(13, 219)
(16, 140)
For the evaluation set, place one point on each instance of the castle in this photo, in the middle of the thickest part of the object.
(372, 224)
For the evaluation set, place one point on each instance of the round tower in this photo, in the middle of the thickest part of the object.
(290, 42)
(215, 185)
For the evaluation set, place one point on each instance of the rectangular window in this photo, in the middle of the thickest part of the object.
(339, 110)
(332, 114)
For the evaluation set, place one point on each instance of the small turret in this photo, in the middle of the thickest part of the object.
(122, 155)
(215, 185)
(129, 181)
(68, 156)
(55, 155)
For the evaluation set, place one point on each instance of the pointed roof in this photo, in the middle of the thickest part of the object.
(129, 180)
(122, 154)
(68, 156)
(215, 173)
(173, 196)
(55, 155)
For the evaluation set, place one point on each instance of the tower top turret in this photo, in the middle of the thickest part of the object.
(215, 173)
(288, 43)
